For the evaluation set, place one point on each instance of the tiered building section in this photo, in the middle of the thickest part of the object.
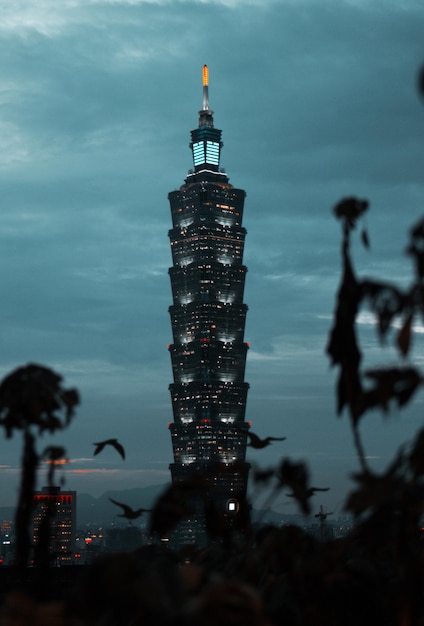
(208, 316)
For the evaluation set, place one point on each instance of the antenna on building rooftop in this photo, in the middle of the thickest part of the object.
(205, 77)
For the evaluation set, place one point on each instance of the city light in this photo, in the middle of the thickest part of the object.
(205, 75)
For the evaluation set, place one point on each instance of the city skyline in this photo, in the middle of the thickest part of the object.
(317, 103)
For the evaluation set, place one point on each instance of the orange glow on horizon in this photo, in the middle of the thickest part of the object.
(205, 76)
(57, 461)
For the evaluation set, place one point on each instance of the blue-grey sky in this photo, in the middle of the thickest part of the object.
(316, 100)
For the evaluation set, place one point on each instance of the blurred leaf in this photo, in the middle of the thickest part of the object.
(420, 82)
(173, 506)
(365, 239)
(343, 346)
(385, 300)
(70, 399)
(349, 210)
(296, 477)
(262, 476)
(376, 492)
(32, 396)
(397, 384)
(416, 247)
(53, 453)
(404, 337)
(416, 456)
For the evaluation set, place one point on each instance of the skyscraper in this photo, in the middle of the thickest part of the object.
(208, 316)
(60, 508)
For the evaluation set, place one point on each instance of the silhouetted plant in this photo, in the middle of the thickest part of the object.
(390, 505)
(360, 391)
(33, 401)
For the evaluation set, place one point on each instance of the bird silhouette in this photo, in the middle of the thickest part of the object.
(128, 512)
(109, 442)
(257, 442)
(307, 493)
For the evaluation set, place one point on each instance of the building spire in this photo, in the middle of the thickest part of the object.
(205, 76)
(205, 115)
(206, 141)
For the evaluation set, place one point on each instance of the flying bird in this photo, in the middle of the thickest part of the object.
(257, 442)
(307, 493)
(109, 442)
(128, 512)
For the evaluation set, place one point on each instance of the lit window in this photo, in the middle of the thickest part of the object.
(212, 152)
(199, 153)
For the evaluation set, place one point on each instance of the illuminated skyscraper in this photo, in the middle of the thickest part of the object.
(208, 316)
(60, 509)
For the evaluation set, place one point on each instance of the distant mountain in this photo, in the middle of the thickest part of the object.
(272, 518)
(100, 511)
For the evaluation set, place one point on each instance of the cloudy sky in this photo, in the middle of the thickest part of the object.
(316, 99)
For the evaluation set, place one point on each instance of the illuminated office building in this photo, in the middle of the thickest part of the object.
(208, 316)
(60, 508)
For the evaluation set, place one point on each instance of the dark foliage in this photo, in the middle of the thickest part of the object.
(360, 391)
(33, 396)
(32, 399)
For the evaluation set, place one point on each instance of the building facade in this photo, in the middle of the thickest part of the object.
(57, 509)
(208, 352)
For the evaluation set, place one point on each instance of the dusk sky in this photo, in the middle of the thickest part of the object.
(317, 100)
